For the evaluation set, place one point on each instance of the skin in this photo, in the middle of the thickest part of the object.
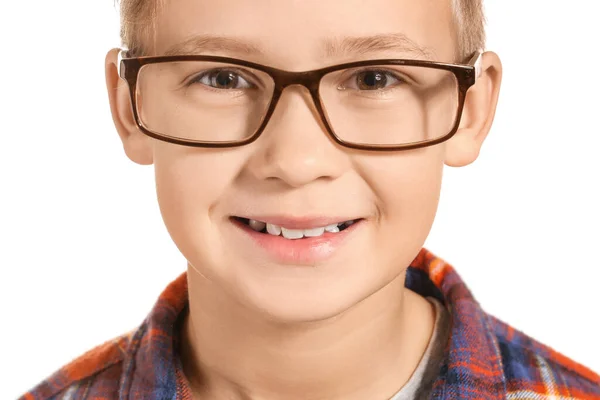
(345, 328)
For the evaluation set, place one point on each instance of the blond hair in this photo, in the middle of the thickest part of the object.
(138, 22)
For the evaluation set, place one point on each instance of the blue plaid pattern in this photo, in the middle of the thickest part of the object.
(484, 357)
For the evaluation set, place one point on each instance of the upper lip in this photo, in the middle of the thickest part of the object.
(298, 222)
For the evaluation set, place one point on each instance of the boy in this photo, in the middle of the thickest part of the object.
(301, 202)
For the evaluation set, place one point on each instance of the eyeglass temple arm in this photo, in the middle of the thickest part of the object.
(120, 67)
(476, 61)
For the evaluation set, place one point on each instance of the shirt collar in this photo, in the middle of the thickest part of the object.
(471, 367)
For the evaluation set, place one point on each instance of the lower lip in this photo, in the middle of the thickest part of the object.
(307, 251)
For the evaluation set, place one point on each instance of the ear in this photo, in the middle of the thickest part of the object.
(137, 145)
(478, 114)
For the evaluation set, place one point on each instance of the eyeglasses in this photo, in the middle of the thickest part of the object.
(211, 101)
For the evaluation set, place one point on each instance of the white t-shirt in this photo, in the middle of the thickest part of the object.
(420, 383)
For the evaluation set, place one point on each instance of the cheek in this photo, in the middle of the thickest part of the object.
(188, 190)
(407, 190)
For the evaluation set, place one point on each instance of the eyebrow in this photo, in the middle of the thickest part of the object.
(331, 47)
(374, 44)
(206, 43)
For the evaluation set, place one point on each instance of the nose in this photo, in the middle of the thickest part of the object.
(295, 147)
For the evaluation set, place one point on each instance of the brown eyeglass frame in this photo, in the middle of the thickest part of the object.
(466, 75)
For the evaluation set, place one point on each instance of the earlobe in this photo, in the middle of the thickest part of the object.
(137, 145)
(477, 116)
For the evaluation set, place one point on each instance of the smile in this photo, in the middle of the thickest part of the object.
(298, 241)
(289, 233)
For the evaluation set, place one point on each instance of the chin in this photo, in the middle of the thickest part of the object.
(304, 302)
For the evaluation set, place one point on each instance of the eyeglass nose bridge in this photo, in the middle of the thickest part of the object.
(309, 80)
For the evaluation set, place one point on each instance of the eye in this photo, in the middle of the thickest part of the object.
(372, 80)
(222, 79)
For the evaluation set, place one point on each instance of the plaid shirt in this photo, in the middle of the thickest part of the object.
(484, 357)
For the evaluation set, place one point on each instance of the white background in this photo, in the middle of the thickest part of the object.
(84, 253)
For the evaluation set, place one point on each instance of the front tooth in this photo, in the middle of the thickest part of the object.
(256, 225)
(314, 232)
(333, 228)
(292, 233)
(273, 229)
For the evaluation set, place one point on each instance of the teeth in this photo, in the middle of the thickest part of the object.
(256, 225)
(314, 232)
(292, 233)
(273, 229)
(333, 228)
(276, 230)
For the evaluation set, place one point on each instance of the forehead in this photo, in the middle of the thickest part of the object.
(305, 34)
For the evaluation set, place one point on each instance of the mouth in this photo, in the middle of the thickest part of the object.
(295, 233)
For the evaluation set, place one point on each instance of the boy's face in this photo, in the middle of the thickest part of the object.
(295, 170)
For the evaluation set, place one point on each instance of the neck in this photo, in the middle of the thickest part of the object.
(369, 351)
